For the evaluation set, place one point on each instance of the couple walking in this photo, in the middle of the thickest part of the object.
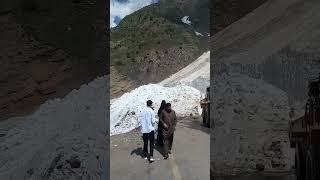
(166, 128)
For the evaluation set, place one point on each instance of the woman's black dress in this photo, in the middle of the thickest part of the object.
(159, 135)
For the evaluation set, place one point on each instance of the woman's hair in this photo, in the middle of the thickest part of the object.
(149, 103)
(163, 103)
(162, 106)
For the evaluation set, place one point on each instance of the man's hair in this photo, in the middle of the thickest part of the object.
(149, 103)
(168, 105)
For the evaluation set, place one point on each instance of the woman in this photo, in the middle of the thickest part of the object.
(159, 136)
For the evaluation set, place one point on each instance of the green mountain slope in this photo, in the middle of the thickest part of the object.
(152, 43)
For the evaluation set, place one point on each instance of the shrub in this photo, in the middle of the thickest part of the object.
(119, 63)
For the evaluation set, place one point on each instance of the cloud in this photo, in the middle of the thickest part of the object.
(122, 1)
(121, 8)
(116, 19)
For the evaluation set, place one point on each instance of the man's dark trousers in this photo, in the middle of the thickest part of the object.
(148, 137)
(168, 144)
(170, 141)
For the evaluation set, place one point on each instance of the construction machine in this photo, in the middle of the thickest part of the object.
(304, 135)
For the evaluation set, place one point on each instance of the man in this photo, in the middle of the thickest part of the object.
(147, 128)
(168, 120)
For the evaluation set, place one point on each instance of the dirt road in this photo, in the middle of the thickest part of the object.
(190, 158)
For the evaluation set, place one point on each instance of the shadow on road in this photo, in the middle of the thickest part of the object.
(138, 152)
(160, 150)
(193, 123)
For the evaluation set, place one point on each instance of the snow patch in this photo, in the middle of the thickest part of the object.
(186, 20)
(198, 34)
(253, 117)
(183, 89)
(124, 110)
(75, 125)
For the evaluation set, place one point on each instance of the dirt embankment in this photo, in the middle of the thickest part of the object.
(226, 12)
(196, 74)
(120, 84)
(47, 49)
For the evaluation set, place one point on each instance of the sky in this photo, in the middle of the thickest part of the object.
(121, 8)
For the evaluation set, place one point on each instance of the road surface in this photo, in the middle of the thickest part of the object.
(190, 158)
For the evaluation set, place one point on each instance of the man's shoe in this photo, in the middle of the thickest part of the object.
(151, 159)
(145, 157)
(166, 157)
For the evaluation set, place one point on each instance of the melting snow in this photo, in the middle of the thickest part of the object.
(253, 117)
(59, 129)
(186, 20)
(183, 90)
(124, 110)
(198, 34)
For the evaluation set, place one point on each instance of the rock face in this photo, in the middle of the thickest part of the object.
(260, 72)
(48, 48)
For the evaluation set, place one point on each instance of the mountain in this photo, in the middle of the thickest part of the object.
(153, 42)
(197, 10)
